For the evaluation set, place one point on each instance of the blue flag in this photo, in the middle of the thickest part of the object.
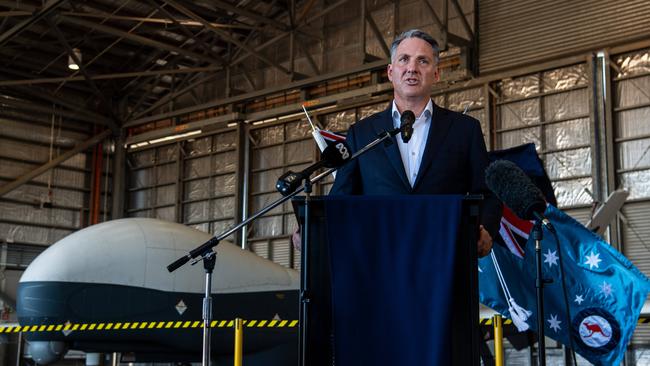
(605, 291)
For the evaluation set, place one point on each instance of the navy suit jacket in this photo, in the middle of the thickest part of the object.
(453, 162)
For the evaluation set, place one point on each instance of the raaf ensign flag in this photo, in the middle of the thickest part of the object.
(605, 291)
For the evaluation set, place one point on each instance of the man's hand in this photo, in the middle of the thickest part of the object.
(484, 242)
(296, 239)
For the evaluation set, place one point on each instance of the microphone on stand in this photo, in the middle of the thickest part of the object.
(333, 156)
(406, 125)
(514, 188)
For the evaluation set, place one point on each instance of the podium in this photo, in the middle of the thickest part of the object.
(378, 260)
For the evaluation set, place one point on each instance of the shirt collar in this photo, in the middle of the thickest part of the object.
(427, 112)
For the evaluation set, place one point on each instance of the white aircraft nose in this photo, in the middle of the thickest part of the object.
(136, 252)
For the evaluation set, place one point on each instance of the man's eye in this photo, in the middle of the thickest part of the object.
(423, 61)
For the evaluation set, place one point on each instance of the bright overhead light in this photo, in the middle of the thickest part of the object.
(72, 65)
(164, 139)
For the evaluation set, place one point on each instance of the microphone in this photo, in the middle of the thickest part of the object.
(514, 188)
(334, 155)
(406, 125)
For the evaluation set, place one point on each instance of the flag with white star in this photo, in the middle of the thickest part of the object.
(604, 290)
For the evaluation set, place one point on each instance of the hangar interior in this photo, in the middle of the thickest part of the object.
(188, 111)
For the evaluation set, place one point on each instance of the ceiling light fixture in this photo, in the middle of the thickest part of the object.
(72, 65)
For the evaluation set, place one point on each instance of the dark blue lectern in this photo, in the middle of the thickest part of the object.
(391, 280)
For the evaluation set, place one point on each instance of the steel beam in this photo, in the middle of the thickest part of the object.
(259, 48)
(115, 42)
(434, 16)
(362, 24)
(184, 22)
(36, 16)
(119, 180)
(305, 10)
(144, 96)
(136, 38)
(46, 95)
(248, 78)
(51, 164)
(122, 75)
(258, 93)
(189, 34)
(446, 35)
(225, 35)
(244, 57)
(324, 11)
(25, 106)
(234, 62)
(377, 33)
(249, 14)
(151, 67)
(463, 19)
(186, 89)
(310, 60)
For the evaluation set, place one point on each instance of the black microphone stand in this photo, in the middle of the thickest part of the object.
(537, 234)
(304, 279)
(204, 251)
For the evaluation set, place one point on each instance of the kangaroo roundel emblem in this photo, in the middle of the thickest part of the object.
(595, 331)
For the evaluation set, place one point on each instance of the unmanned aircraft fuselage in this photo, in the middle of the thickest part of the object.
(115, 272)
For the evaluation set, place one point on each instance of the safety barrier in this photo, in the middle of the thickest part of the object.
(185, 324)
(114, 326)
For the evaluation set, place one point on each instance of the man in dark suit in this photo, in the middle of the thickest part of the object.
(446, 153)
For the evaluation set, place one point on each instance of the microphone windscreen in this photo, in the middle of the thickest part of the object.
(335, 154)
(513, 187)
(407, 117)
(406, 125)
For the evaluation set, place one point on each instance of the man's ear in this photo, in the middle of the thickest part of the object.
(389, 72)
(436, 74)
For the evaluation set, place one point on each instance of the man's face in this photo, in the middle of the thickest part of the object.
(414, 70)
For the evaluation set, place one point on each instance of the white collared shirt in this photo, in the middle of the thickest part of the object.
(412, 152)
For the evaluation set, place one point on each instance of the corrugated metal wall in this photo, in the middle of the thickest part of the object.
(516, 33)
(192, 182)
(551, 109)
(631, 103)
(52, 205)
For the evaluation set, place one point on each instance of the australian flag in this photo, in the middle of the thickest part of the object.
(604, 290)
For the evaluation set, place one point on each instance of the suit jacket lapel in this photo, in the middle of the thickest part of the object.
(440, 125)
(385, 123)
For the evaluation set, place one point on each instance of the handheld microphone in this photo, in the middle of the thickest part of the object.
(334, 155)
(513, 187)
(406, 125)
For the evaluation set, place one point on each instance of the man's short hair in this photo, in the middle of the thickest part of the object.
(415, 33)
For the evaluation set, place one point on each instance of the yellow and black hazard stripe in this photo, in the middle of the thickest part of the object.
(490, 321)
(187, 324)
(112, 326)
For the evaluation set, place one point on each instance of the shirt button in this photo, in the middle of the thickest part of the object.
(413, 153)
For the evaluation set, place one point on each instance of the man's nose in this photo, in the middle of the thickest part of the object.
(412, 67)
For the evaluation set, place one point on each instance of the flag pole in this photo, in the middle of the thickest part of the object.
(313, 127)
(539, 284)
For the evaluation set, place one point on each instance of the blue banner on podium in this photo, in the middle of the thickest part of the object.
(392, 261)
